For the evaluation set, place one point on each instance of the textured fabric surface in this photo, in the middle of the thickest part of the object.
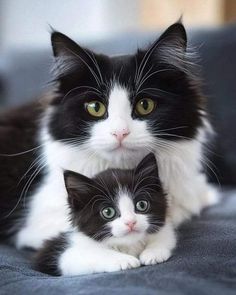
(203, 263)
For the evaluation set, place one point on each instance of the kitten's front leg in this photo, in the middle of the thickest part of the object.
(159, 246)
(86, 256)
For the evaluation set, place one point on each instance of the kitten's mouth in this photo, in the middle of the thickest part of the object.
(132, 231)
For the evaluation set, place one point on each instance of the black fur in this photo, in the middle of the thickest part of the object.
(18, 130)
(46, 259)
(87, 197)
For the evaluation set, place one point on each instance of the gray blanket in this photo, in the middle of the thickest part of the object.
(203, 263)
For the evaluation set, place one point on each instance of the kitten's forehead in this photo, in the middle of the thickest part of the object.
(124, 201)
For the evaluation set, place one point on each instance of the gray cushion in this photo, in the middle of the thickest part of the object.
(203, 263)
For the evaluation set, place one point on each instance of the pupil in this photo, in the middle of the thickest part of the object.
(145, 104)
(96, 106)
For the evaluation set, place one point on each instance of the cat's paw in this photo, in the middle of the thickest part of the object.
(122, 262)
(153, 256)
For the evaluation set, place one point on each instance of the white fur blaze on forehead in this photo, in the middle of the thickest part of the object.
(125, 205)
(119, 103)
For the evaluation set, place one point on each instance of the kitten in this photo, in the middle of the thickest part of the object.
(120, 215)
(104, 112)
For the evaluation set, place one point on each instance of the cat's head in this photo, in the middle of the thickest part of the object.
(118, 204)
(121, 107)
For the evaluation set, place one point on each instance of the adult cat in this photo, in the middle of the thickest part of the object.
(105, 112)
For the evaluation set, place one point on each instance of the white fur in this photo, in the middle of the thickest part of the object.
(85, 256)
(179, 169)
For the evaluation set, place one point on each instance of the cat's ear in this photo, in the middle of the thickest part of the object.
(174, 38)
(68, 54)
(78, 188)
(170, 47)
(147, 167)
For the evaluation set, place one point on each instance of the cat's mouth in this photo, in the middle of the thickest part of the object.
(122, 148)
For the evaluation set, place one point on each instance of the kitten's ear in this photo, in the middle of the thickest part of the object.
(147, 167)
(78, 188)
(68, 54)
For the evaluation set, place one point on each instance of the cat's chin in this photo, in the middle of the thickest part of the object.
(126, 155)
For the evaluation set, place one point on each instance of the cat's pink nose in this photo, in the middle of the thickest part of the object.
(130, 224)
(121, 134)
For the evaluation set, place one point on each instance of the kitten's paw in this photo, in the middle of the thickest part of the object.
(123, 262)
(153, 256)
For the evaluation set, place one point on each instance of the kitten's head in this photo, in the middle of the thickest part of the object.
(118, 204)
(121, 107)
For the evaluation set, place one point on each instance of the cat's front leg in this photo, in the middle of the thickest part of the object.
(159, 246)
(86, 256)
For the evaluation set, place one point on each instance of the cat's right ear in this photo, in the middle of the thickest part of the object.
(78, 188)
(68, 54)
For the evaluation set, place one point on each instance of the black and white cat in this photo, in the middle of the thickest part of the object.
(105, 112)
(119, 222)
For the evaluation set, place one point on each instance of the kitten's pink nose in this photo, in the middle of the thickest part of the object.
(121, 134)
(130, 224)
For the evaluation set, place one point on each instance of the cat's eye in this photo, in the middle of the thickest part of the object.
(145, 106)
(108, 213)
(142, 206)
(96, 108)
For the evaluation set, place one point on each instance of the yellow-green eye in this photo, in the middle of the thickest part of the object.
(96, 108)
(145, 106)
(142, 206)
(108, 213)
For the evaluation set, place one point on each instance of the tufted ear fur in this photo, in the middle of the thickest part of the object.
(69, 55)
(79, 188)
(170, 48)
(147, 167)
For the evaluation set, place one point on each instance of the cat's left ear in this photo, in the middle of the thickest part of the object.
(78, 188)
(147, 167)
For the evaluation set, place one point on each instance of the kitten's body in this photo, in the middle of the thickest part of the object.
(136, 232)
(70, 139)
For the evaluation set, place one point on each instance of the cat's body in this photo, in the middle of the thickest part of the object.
(118, 221)
(106, 113)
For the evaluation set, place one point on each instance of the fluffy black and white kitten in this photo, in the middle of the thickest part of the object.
(120, 215)
(105, 112)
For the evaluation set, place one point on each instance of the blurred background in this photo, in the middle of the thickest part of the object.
(113, 26)
(120, 26)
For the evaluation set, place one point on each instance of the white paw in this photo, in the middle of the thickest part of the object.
(122, 262)
(153, 256)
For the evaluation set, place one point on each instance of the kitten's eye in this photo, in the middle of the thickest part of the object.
(96, 108)
(145, 106)
(108, 213)
(142, 206)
